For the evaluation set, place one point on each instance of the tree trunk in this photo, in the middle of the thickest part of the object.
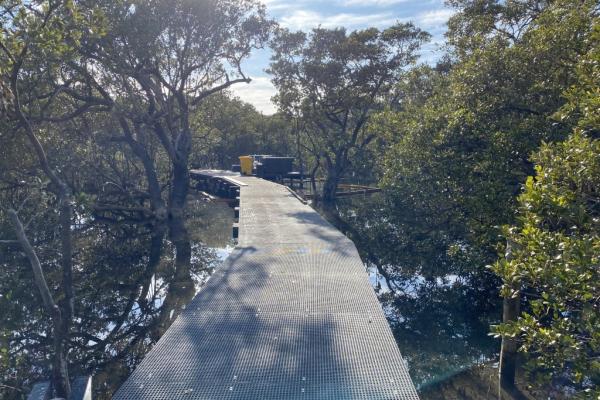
(60, 370)
(154, 256)
(181, 182)
(154, 190)
(509, 348)
(60, 366)
(313, 180)
(181, 289)
(65, 219)
(181, 286)
(62, 328)
(336, 165)
(508, 351)
(156, 200)
(299, 153)
(179, 236)
(62, 313)
(177, 230)
(330, 187)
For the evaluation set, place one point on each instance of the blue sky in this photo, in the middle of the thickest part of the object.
(429, 15)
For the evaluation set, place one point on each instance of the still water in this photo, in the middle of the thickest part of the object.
(209, 226)
(127, 296)
(441, 324)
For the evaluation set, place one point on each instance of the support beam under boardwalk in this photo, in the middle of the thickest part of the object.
(289, 315)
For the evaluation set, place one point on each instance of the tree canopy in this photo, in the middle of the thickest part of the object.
(334, 80)
(488, 156)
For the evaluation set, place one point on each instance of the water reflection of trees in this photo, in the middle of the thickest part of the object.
(438, 298)
(127, 294)
(441, 327)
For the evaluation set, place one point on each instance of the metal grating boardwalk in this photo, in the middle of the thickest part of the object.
(289, 315)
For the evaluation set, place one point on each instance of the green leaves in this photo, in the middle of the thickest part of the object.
(45, 29)
(584, 96)
(461, 139)
(334, 81)
(556, 262)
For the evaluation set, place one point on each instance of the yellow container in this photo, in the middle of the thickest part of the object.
(246, 165)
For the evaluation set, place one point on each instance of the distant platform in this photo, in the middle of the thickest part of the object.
(217, 173)
(289, 315)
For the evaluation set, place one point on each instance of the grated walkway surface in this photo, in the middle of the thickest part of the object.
(289, 315)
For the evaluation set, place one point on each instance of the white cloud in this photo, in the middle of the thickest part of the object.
(287, 5)
(258, 93)
(276, 5)
(367, 3)
(433, 18)
(429, 15)
(305, 19)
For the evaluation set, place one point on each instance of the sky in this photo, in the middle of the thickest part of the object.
(429, 15)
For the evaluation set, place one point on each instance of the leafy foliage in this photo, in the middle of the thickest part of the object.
(460, 134)
(226, 128)
(556, 261)
(557, 245)
(125, 95)
(334, 80)
(80, 79)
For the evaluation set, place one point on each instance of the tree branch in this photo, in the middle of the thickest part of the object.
(36, 266)
(218, 88)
